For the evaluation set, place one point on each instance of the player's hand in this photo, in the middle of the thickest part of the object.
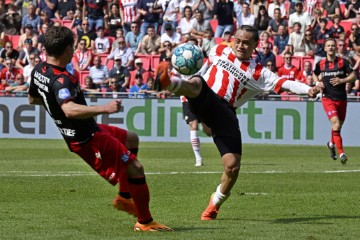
(113, 106)
(335, 81)
(314, 91)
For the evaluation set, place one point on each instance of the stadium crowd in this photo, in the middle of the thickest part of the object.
(119, 43)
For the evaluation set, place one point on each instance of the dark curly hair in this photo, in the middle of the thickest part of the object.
(57, 39)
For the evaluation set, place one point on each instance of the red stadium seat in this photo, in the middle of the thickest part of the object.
(155, 61)
(110, 64)
(67, 23)
(346, 24)
(15, 40)
(213, 24)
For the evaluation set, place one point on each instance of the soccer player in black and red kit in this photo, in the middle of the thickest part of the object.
(109, 150)
(332, 73)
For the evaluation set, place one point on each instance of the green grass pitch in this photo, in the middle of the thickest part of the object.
(283, 192)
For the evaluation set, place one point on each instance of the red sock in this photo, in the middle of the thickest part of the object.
(124, 186)
(338, 141)
(140, 193)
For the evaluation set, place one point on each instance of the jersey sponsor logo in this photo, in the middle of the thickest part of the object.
(331, 74)
(64, 93)
(125, 157)
(231, 69)
(67, 132)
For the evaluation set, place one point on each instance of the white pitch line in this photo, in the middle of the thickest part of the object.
(75, 174)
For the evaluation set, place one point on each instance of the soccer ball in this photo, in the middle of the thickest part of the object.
(187, 59)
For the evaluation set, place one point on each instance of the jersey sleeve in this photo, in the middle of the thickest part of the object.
(317, 69)
(271, 81)
(63, 89)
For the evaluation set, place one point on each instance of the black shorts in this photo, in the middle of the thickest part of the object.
(188, 115)
(217, 114)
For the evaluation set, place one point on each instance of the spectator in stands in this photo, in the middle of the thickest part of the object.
(262, 20)
(99, 73)
(302, 77)
(9, 52)
(186, 21)
(315, 22)
(23, 6)
(24, 55)
(352, 8)
(88, 35)
(354, 42)
(18, 86)
(238, 8)
(264, 38)
(170, 9)
(82, 57)
(265, 55)
(3, 85)
(134, 38)
(95, 11)
(102, 44)
(77, 23)
(128, 9)
(310, 6)
(170, 35)
(207, 42)
(166, 51)
(206, 7)
(114, 21)
(139, 88)
(331, 7)
(276, 22)
(31, 18)
(199, 25)
(119, 34)
(227, 39)
(310, 44)
(11, 21)
(70, 15)
(274, 5)
(115, 87)
(223, 13)
(126, 54)
(245, 18)
(346, 54)
(9, 72)
(29, 34)
(281, 41)
(28, 68)
(139, 69)
(183, 4)
(64, 6)
(296, 41)
(255, 6)
(357, 20)
(288, 71)
(48, 6)
(270, 66)
(299, 16)
(121, 74)
(150, 14)
(320, 38)
(151, 42)
(41, 37)
(353, 88)
(43, 54)
(89, 86)
(336, 28)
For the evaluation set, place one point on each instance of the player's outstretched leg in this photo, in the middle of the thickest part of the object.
(162, 77)
(123, 204)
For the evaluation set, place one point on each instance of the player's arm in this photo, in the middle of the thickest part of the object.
(78, 111)
(349, 79)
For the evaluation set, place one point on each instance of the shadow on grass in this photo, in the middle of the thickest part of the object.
(311, 219)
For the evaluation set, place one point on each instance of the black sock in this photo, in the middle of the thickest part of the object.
(125, 195)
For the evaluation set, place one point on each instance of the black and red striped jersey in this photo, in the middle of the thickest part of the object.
(55, 86)
(340, 68)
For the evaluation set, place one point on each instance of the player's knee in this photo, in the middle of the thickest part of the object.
(232, 163)
(135, 169)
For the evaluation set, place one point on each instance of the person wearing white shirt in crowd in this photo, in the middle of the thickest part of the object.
(99, 73)
(170, 35)
(170, 10)
(296, 43)
(206, 7)
(127, 55)
(276, 4)
(187, 20)
(245, 18)
(102, 44)
(183, 4)
(238, 8)
(28, 68)
(299, 16)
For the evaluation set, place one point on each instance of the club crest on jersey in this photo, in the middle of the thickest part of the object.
(125, 158)
(64, 93)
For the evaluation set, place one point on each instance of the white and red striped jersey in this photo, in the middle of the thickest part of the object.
(237, 81)
(310, 6)
(130, 9)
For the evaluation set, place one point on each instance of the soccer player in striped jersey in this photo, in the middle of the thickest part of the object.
(228, 80)
(332, 73)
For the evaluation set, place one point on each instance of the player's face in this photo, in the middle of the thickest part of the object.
(330, 47)
(244, 44)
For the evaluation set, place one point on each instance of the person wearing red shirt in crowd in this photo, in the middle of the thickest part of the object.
(332, 73)
(307, 72)
(9, 72)
(288, 71)
(82, 57)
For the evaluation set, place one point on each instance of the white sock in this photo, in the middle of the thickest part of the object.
(195, 143)
(175, 84)
(331, 144)
(218, 197)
